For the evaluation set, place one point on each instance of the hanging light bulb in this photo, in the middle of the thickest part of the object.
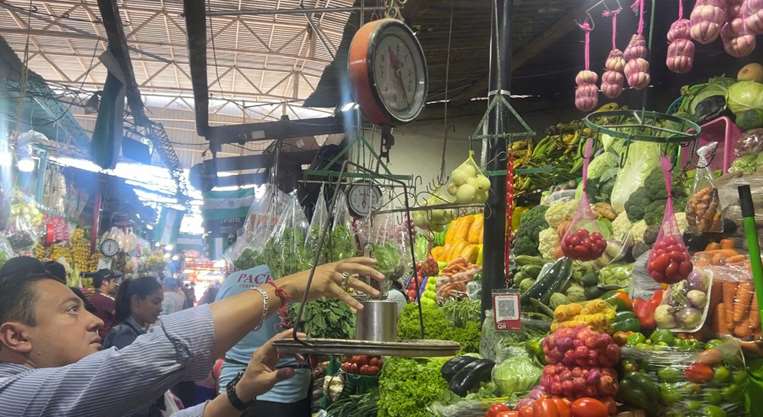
(26, 164)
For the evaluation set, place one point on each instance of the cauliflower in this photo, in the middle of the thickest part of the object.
(621, 226)
(559, 212)
(638, 230)
(548, 242)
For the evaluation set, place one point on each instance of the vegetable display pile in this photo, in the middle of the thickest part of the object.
(583, 245)
(671, 377)
(407, 386)
(669, 261)
(437, 326)
(598, 314)
(686, 303)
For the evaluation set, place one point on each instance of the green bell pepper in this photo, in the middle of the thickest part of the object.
(645, 384)
(669, 394)
(635, 339)
(669, 375)
(627, 325)
(664, 336)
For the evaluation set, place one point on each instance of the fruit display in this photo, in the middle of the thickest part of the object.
(462, 239)
(581, 347)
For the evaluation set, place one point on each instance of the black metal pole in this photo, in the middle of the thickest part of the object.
(495, 208)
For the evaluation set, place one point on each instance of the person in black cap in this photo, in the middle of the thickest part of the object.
(104, 281)
(51, 363)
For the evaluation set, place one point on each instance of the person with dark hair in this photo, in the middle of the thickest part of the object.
(137, 307)
(103, 282)
(51, 363)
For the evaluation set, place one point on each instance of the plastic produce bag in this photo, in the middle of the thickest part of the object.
(468, 184)
(388, 246)
(317, 224)
(703, 210)
(669, 260)
(583, 240)
(685, 306)
(751, 142)
(288, 240)
(685, 379)
(734, 305)
(25, 225)
(248, 249)
(342, 242)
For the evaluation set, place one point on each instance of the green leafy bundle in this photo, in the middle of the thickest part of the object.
(438, 326)
(326, 318)
(408, 386)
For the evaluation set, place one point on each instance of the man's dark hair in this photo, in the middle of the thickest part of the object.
(100, 276)
(16, 294)
(56, 269)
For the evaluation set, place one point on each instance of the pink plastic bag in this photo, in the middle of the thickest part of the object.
(669, 262)
(583, 240)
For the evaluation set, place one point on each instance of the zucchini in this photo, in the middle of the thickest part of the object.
(522, 260)
(550, 281)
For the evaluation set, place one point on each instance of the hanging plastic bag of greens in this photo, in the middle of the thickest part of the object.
(669, 260)
(584, 240)
(285, 250)
(317, 224)
(703, 210)
(248, 250)
(25, 224)
(342, 242)
(385, 247)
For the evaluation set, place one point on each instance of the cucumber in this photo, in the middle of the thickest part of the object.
(531, 270)
(529, 260)
(550, 281)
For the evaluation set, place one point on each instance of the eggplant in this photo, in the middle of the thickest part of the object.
(470, 376)
(455, 364)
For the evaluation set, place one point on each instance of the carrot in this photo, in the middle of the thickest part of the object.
(743, 329)
(717, 259)
(720, 320)
(724, 252)
(736, 259)
(727, 244)
(729, 290)
(755, 313)
(743, 298)
(712, 246)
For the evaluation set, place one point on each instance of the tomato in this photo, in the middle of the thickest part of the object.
(354, 368)
(364, 370)
(545, 408)
(698, 373)
(589, 407)
(372, 370)
(495, 409)
(562, 407)
(374, 361)
(508, 413)
(527, 411)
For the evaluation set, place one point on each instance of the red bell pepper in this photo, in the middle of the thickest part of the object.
(644, 309)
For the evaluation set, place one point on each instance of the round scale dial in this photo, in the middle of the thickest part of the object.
(363, 198)
(388, 72)
(109, 247)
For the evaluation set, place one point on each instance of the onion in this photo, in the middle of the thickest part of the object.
(586, 77)
(737, 40)
(612, 83)
(637, 73)
(636, 48)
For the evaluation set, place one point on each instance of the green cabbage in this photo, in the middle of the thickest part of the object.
(745, 95)
(745, 100)
(517, 374)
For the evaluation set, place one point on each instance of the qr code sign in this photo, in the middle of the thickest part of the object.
(506, 311)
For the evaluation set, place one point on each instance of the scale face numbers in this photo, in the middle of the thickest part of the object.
(109, 247)
(363, 198)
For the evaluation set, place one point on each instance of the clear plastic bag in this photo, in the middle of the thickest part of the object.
(317, 224)
(583, 240)
(25, 225)
(669, 260)
(685, 306)
(342, 243)
(261, 220)
(285, 251)
(686, 381)
(734, 305)
(703, 210)
(387, 246)
(751, 142)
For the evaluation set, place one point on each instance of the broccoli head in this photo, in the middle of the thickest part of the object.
(654, 211)
(636, 205)
(530, 225)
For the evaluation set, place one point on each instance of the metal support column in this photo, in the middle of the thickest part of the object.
(495, 208)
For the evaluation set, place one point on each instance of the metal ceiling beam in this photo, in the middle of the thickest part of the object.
(306, 10)
(196, 26)
(203, 176)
